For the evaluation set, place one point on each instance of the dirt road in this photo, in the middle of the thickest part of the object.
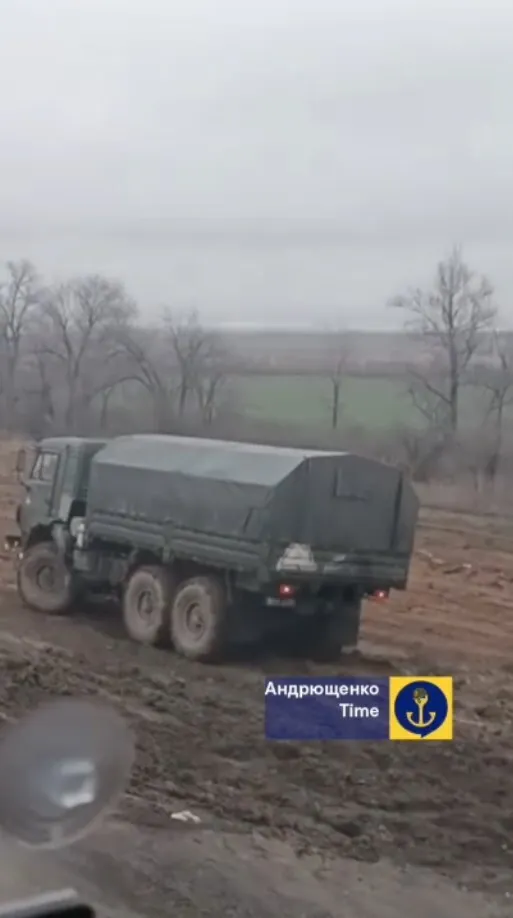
(350, 830)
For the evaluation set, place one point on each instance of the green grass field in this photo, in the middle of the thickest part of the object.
(373, 403)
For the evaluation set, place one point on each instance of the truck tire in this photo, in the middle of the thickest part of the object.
(322, 638)
(198, 619)
(336, 632)
(45, 583)
(146, 606)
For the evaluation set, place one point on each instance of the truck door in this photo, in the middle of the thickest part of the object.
(38, 506)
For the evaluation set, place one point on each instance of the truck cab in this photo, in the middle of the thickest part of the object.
(54, 475)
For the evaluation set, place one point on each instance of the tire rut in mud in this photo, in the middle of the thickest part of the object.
(200, 746)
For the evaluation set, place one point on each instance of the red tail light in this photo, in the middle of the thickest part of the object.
(379, 595)
(285, 591)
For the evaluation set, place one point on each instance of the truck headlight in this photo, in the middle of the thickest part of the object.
(81, 533)
(78, 531)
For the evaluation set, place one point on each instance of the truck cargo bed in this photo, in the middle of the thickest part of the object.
(245, 505)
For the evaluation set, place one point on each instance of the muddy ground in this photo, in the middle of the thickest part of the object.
(350, 830)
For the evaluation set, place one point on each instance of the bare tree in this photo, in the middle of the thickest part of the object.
(182, 367)
(189, 346)
(211, 381)
(65, 351)
(79, 341)
(425, 397)
(148, 363)
(453, 319)
(336, 376)
(497, 381)
(199, 363)
(20, 299)
(422, 450)
(41, 412)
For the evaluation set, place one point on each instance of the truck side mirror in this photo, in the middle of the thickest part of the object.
(21, 457)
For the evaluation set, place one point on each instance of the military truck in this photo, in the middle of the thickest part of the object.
(209, 543)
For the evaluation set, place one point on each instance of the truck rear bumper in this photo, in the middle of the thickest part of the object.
(308, 604)
(368, 576)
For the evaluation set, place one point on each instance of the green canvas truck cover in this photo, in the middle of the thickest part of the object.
(244, 494)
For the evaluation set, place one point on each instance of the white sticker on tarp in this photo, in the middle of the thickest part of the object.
(297, 557)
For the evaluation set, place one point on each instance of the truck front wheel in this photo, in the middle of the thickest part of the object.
(198, 619)
(146, 603)
(44, 581)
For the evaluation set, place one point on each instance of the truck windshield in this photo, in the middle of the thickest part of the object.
(44, 466)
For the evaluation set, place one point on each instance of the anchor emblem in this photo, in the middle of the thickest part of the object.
(421, 698)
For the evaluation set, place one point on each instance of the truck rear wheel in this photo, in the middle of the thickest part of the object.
(198, 619)
(322, 638)
(146, 604)
(45, 583)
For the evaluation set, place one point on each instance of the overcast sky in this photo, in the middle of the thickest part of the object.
(293, 161)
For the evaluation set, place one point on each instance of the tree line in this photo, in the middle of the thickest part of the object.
(72, 351)
(66, 348)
